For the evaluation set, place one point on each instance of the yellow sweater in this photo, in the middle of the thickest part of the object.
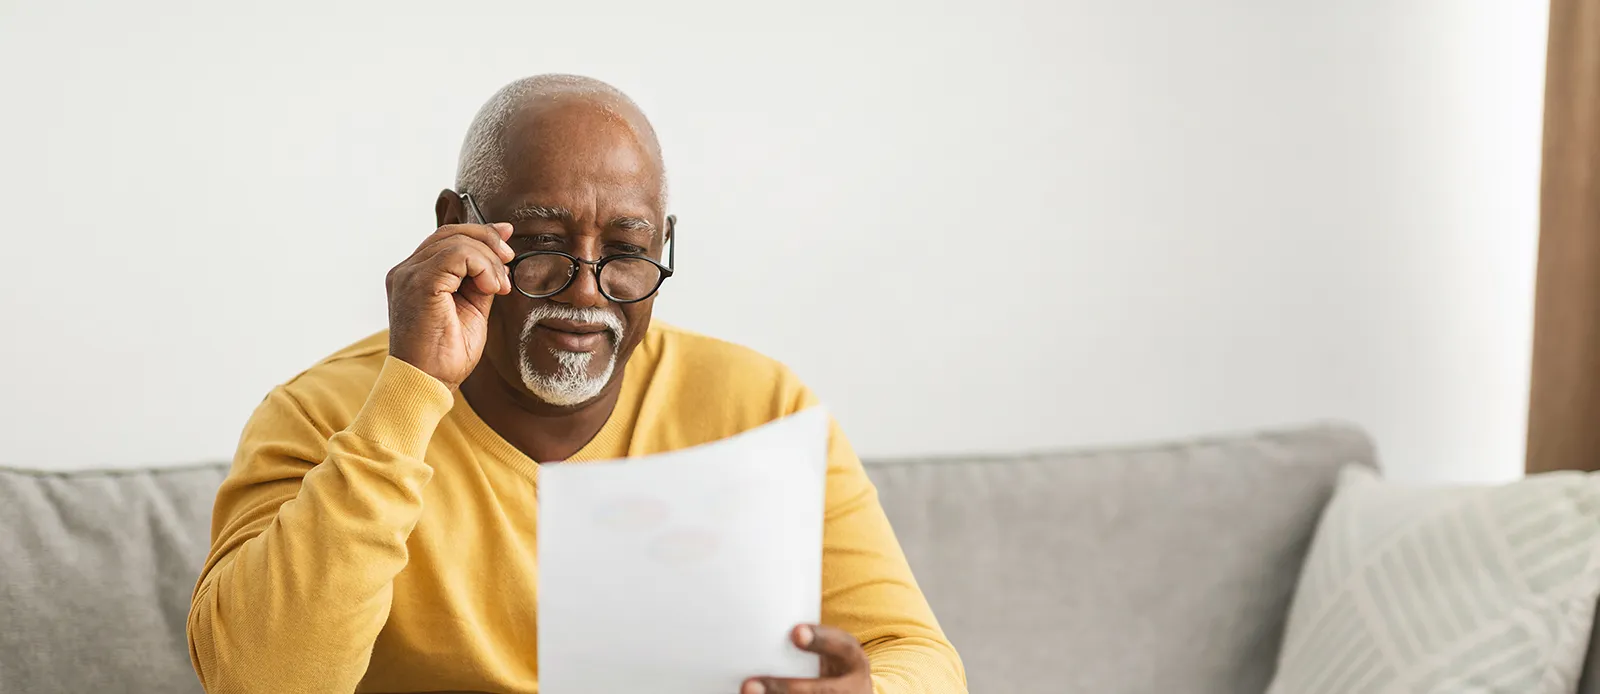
(375, 535)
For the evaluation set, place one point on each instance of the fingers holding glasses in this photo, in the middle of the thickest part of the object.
(493, 236)
(460, 263)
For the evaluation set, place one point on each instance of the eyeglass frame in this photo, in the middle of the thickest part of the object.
(671, 239)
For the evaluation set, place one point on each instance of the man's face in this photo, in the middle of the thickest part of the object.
(580, 181)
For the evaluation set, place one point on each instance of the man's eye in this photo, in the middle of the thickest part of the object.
(543, 240)
(626, 249)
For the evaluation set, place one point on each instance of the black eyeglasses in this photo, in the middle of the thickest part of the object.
(623, 279)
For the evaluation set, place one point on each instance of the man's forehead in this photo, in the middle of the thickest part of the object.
(582, 143)
(553, 126)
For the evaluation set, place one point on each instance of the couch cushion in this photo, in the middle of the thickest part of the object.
(1447, 588)
(1164, 568)
(96, 570)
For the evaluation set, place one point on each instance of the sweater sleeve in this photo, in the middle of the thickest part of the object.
(868, 588)
(308, 533)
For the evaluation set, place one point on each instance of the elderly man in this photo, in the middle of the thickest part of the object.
(376, 532)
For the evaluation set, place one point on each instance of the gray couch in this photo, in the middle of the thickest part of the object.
(1160, 568)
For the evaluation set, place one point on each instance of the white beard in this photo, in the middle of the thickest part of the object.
(571, 384)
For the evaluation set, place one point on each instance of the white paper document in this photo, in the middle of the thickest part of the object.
(683, 572)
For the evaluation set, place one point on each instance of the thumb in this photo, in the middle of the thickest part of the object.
(481, 300)
(476, 311)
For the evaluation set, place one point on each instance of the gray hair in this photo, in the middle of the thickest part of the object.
(481, 169)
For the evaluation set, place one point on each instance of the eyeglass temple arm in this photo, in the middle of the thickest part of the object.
(672, 235)
(473, 205)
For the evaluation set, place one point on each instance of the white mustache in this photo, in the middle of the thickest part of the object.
(577, 315)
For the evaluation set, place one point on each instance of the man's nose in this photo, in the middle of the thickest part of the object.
(584, 290)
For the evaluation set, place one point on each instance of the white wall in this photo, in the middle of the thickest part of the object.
(986, 226)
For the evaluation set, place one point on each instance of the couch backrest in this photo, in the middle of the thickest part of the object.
(1163, 568)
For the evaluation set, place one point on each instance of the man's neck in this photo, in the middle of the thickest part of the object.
(543, 432)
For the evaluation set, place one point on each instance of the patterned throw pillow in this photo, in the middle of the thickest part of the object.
(1460, 589)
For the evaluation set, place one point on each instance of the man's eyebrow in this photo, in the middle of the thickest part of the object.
(634, 224)
(526, 212)
(562, 214)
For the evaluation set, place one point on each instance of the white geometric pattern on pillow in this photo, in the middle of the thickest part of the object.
(1461, 589)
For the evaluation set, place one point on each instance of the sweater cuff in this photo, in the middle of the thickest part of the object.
(403, 409)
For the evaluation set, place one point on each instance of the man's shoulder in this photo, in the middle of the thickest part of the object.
(686, 349)
(724, 370)
(337, 385)
(703, 388)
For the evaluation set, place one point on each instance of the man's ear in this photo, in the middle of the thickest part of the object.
(448, 209)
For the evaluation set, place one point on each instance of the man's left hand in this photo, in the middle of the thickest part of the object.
(845, 669)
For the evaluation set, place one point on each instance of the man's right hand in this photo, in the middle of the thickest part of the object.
(439, 298)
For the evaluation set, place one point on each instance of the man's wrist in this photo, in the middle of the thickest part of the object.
(403, 409)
